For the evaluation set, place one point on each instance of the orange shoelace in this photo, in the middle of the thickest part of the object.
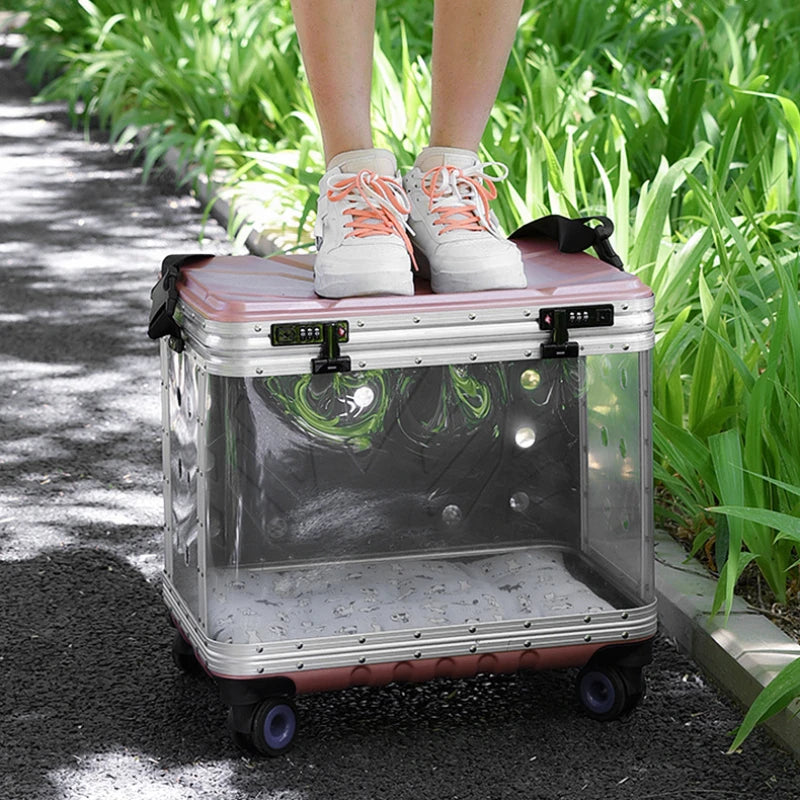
(379, 206)
(473, 187)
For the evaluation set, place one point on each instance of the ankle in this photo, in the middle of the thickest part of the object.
(382, 162)
(439, 156)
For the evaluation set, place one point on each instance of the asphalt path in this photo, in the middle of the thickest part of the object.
(92, 706)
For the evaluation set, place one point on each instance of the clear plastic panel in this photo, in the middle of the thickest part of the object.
(401, 498)
(394, 462)
(183, 525)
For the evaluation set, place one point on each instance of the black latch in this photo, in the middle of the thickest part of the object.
(330, 358)
(559, 345)
(560, 320)
(599, 316)
(287, 334)
(164, 297)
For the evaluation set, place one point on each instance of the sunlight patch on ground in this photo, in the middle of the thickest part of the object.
(131, 775)
(86, 517)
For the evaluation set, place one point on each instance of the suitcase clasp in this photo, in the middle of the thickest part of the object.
(560, 320)
(330, 358)
(559, 345)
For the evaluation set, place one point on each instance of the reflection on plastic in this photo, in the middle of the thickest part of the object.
(318, 468)
(525, 437)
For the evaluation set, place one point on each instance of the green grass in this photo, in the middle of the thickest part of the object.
(677, 120)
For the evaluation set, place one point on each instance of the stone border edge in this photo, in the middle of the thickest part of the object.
(740, 655)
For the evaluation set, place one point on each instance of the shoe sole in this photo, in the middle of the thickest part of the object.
(359, 285)
(479, 280)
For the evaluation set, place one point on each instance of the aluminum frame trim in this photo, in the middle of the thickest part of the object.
(166, 459)
(583, 424)
(285, 658)
(647, 538)
(435, 338)
(405, 357)
(202, 494)
(634, 314)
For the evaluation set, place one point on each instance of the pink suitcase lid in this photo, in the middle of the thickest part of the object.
(247, 288)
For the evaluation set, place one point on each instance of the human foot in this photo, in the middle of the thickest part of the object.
(456, 234)
(362, 244)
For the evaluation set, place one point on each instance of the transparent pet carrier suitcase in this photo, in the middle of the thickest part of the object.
(383, 489)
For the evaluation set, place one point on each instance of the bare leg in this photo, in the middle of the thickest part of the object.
(336, 39)
(472, 40)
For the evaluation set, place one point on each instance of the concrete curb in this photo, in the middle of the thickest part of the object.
(223, 208)
(740, 655)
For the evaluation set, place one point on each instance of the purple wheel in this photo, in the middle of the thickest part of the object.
(274, 726)
(603, 692)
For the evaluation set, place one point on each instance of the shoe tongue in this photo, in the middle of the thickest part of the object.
(382, 162)
(432, 157)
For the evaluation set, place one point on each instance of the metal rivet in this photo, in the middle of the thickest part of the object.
(299, 645)
(259, 371)
(625, 635)
(300, 665)
(259, 650)
(527, 643)
(626, 347)
(418, 654)
(260, 670)
(624, 615)
(587, 619)
(526, 313)
(362, 640)
(471, 315)
(362, 660)
(528, 353)
(362, 364)
(473, 648)
(625, 306)
(417, 634)
(473, 356)
(472, 629)
(257, 328)
(360, 323)
(415, 320)
(526, 624)
(417, 360)
(587, 638)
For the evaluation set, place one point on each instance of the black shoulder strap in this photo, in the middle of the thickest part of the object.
(574, 235)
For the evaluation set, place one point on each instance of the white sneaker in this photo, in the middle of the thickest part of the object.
(362, 244)
(457, 236)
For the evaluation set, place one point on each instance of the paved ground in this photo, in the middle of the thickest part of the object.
(91, 704)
